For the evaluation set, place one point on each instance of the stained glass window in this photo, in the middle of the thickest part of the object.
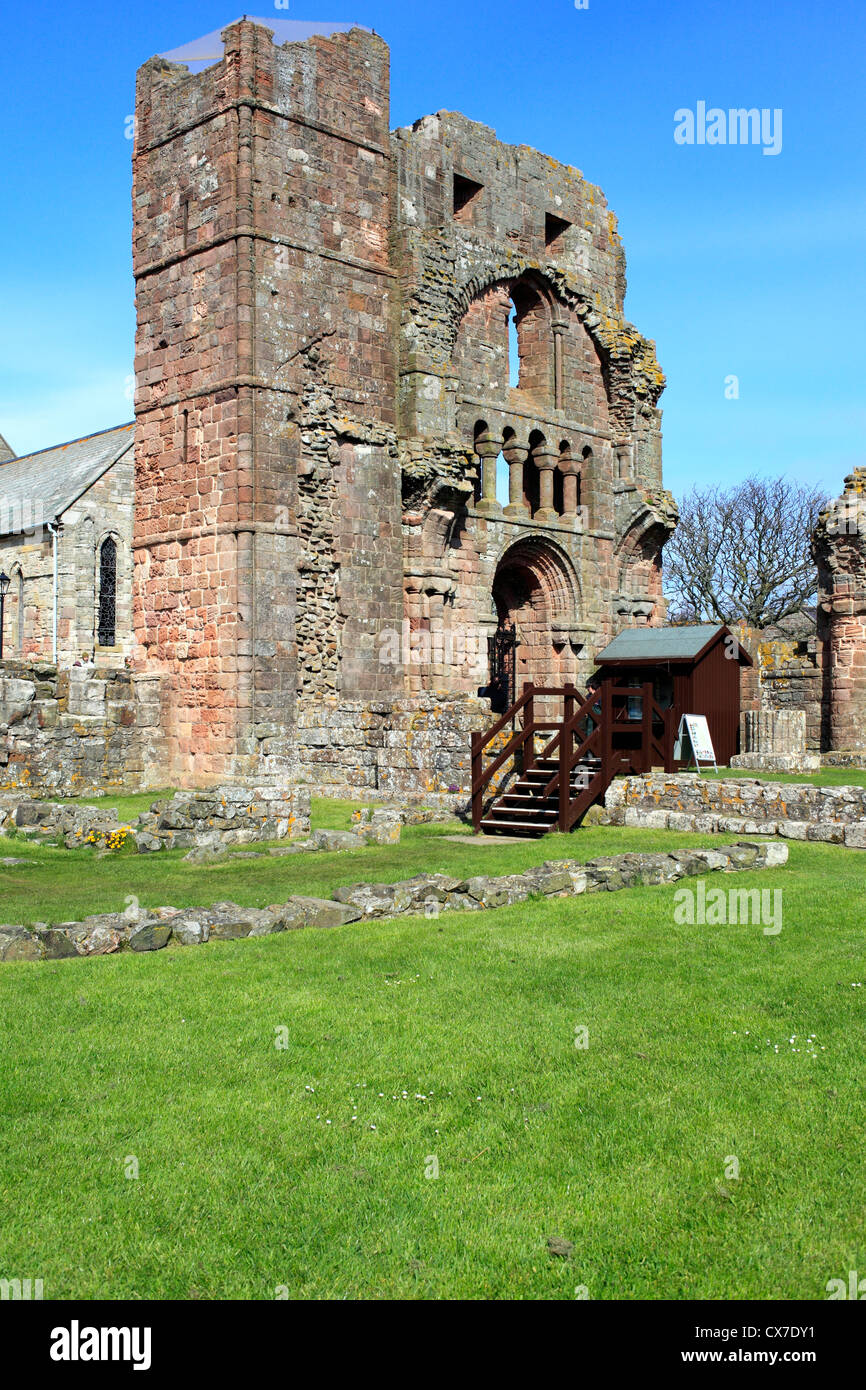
(107, 592)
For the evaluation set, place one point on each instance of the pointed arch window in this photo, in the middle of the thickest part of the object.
(107, 592)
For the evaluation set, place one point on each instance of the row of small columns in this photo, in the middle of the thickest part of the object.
(546, 460)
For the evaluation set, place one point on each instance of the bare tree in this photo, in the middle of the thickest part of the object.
(743, 554)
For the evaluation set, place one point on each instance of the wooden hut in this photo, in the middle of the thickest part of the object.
(692, 670)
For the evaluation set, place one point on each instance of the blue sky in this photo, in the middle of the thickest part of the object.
(739, 263)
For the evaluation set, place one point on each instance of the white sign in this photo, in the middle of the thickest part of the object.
(697, 730)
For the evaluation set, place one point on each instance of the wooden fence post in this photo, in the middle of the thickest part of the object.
(528, 724)
(607, 728)
(477, 797)
(566, 748)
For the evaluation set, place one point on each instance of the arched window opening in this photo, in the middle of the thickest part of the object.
(107, 592)
(481, 428)
(532, 338)
(531, 476)
(502, 480)
(513, 353)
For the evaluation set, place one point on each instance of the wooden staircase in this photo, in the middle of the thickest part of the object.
(527, 808)
(554, 789)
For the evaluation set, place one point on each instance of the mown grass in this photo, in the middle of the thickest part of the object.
(58, 885)
(827, 777)
(170, 1061)
(128, 805)
(327, 813)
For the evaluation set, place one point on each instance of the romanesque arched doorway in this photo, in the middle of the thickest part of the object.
(534, 597)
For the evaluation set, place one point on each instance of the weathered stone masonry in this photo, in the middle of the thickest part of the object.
(818, 682)
(795, 811)
(840, 550)
(317, 575)
(323, 392)
(261, 205)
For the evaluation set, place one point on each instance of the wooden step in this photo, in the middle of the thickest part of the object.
(524, 828)
(517, 799)
(544, 774)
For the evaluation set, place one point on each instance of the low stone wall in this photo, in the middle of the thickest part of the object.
(741, 805)
(857, 760)
(79, 730)
(395, 747)
(556, 878)
(797, 762)
(777, 762)
(427, 895)
(207, 819)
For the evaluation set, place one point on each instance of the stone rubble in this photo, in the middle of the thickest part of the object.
(208, 823)
(221, 816)
(426, 894)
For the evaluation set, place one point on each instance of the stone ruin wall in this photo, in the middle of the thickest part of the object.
(839, 548)
(579, 434)
(79, 730)
(787, 677)
(305, 444)
(824, 676)
(741, 806)
(322, 396)
(266, 397)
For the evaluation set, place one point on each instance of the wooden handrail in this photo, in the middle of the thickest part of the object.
(520, 739)
(577, 711)
(506, 718)
(570, 728)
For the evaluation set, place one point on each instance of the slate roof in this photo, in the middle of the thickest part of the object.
(41, 486)
(6, 450)
(659, 643)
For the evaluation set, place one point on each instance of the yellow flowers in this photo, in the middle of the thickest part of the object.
(113, 839)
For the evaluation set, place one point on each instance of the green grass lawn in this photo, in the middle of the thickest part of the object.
(451, 1039)
(327, 814)
(58, 885)
(128, 805)
(827, 777)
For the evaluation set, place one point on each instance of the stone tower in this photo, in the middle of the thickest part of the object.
(261, 201)
(327, 578)
(839, 547)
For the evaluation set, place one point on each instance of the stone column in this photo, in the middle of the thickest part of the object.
(570, 480)
(515, 456)
(546, 461)
(488, 447)
(839, 547)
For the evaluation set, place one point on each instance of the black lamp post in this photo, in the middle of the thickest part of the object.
(4, 585)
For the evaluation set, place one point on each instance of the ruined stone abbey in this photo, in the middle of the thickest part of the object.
(300, 562)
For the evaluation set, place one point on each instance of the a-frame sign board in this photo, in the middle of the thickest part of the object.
(695, 728)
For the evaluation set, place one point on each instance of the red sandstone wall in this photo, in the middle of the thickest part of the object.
(261, 215)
